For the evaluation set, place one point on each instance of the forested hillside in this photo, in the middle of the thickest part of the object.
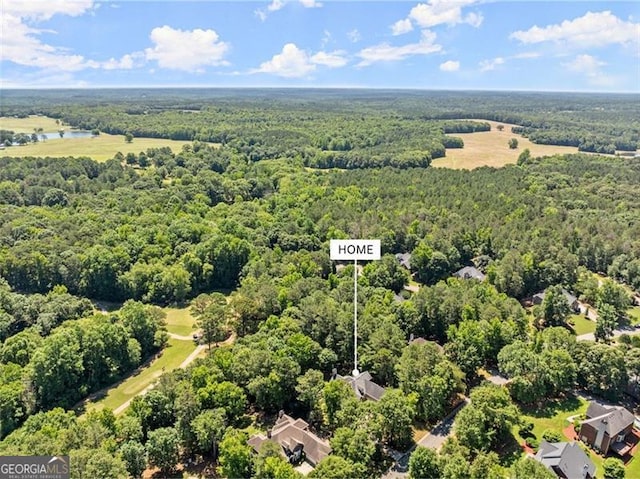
(252, 217)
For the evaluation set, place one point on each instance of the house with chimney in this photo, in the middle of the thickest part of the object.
(606, 428)
(297, 442)
(363, 386)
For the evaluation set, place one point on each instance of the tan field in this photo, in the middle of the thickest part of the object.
(100, 148)
(490, 148)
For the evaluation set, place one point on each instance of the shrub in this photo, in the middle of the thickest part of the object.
(525, 429)
(551, 436)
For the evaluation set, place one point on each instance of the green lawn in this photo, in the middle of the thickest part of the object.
(634, 315)
(172, 356)
(180, 321)
(582, 325)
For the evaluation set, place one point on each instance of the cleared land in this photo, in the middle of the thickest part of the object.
(100, 148)
(582, 325)
(27, 125)
(180, 321)
(490, 148)
(171, 358)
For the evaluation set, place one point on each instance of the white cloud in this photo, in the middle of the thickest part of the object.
(488, 65)
(188, 50)
(384, 52)
(590, 30)
(401, 27)
(21, 44)
(332, 60)
(437, 12)
(275, 5)
(450, 66)
(44, 10)
(291, 63)
(591, 68)
(354, 35)
(310, 4)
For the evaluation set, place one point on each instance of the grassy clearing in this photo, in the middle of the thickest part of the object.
(100, 148)
(490, 148)
(634, 316)
(171, 358)
(582, 325)
(26, 125)
(180, 321)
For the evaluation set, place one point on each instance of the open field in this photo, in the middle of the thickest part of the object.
(180, 321)
(171, 357)
(100, 148)
(489, 148)
(27, 125)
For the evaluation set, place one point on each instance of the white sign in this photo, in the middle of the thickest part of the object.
(352, 249)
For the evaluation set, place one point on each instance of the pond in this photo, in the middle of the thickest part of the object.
(67, 134)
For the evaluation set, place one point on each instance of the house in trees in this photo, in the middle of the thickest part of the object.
(296, 441)
(404, 259)
(470, 272)
(566, 460)
(572, 301)
(363, 386)
(606, 428)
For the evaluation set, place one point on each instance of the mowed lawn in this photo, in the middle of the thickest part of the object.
(490, 148)
(180, 321)
(582, 325)
(27, 125)
(172, 356)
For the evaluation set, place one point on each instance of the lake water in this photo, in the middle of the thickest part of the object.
(67, 134)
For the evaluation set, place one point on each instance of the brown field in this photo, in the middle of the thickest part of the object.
(489, 148)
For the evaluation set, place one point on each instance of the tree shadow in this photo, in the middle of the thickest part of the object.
(509, 450)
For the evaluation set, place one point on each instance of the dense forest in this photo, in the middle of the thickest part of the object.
(252, 216)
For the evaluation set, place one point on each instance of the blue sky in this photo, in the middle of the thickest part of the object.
(433, 44)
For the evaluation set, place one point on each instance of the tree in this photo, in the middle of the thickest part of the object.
(555, 308)
(210, 314)
(528, 468)
(162, 448)
(606, 323)
(613, 468)
(513, 143)
(276, 467)
(61, 133)
(353, 444)
(336, 467)
(397, 412)
(55, 197)
(424, 464)
(133, 455)
(236, 457)
(209, 427)
(128, 137)
(309, 388)
(483, 423)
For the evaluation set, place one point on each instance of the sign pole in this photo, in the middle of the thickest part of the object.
(355, 319)
(354, 249)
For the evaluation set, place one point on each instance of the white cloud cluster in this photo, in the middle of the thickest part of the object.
(21, 43)
(488, 65)
(450, 66)
(384, 52)
(437, 12)
(187, 50)
(293, 62)
(591, 30)
(276, 5)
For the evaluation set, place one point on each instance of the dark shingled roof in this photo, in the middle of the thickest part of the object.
(289, 433)
(566, 458)
(363, 386)
(612, 419)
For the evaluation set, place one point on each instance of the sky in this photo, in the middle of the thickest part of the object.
(432, 44)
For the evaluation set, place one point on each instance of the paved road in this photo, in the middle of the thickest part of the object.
(443, 429)
(630, 330)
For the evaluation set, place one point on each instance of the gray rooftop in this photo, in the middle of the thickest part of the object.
(470, 272)
(612, 419)
(566, 458)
